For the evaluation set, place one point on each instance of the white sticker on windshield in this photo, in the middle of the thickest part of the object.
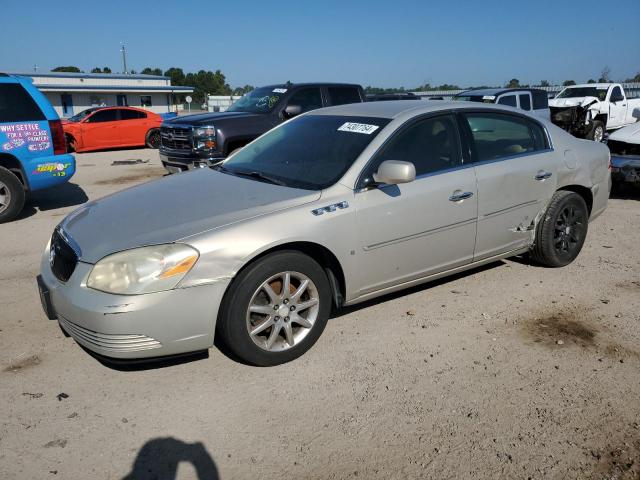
(601, 88)
(489, 97)
(279, 90)
(358, 128)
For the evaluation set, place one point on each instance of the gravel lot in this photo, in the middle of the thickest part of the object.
(509, 371)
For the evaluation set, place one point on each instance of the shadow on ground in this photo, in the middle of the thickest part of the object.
(60, 196)
(159, 458)
(625, 192)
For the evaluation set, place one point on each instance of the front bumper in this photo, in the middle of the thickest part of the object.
(174, 163)
(625, 169)
(132, 326)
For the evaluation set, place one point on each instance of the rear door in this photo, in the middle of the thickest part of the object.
(100, 130)
(132, 127)
(412, 230)
(516, 171)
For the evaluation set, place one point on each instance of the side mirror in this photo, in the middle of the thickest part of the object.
(292, 110)
(636, 113)
(392, 172)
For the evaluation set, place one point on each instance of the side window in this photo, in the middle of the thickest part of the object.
(145, 100)
(431, 145)
(509, 100)
(307, 98)
(104, 116)
(540, 99)
(343, 95)
(16, 105)
(616, 95)
(498, 136)
(525, 101)
(131, 114)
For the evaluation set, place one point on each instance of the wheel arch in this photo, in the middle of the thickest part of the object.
(321, 254)
(583, 191)
(14, 165)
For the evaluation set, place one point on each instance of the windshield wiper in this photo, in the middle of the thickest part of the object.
(252, 174)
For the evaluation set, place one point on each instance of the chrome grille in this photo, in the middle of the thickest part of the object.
(174, 138)
(113, 343)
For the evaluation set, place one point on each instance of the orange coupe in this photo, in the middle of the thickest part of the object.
(100, 128)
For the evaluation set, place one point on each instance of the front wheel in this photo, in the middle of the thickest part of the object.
(561, 233)
(597, 131)
(12, 195)
(276, 309)
(153, 138)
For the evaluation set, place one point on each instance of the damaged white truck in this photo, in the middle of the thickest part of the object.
(590, 110)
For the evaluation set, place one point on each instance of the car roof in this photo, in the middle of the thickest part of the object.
(311, 84)
(598, 85)
(396, 108)
(481, 92)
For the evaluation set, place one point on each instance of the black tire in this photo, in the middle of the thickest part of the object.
(71, 143)
(562, 231)
(153, 138)
(597, 131)
(12, 195)
(233, 319)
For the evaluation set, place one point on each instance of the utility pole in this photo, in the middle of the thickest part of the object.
(124, 58)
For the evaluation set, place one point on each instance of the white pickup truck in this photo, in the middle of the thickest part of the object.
(590, 110)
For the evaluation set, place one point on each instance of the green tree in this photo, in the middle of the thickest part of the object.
(591, 80)
(69, 68)
(633, 79)
(513, 83)
(151, 71)
(545, 83)
(106, 70)
(96, 70)
(206, 82)
(176, 75)
(567, 83)
(605, 75)
(242, 90)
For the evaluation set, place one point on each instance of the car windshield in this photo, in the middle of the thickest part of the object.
(78, 117)
(260, 100)
(475, 98)
(311, 152)
(578, 92)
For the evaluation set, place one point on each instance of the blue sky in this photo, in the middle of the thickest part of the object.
(389, 44)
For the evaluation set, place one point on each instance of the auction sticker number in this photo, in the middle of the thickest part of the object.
(358, 128)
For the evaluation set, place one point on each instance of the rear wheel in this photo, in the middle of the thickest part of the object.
(562, 231)
(153, 138)
(276, 309)
(597, 131)
(12, 195)
(71, 143)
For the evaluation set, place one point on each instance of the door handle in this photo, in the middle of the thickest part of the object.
(459, 195)
(542, 175)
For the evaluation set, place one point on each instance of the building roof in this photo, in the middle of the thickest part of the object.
(113, 88)
(91, 75)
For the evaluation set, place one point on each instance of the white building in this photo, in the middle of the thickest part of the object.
(70, 93)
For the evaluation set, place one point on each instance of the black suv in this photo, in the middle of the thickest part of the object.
(201, 140)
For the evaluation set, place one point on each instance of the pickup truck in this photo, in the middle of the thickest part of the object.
(590, 110)
(33, 150)
(197, 141)
(532, 100)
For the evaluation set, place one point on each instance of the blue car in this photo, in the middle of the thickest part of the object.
(33, 150)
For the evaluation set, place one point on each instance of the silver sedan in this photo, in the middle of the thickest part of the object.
(331, 208)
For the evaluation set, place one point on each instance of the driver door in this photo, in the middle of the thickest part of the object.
(617, 108)
(416, 229)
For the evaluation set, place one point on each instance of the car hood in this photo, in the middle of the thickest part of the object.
(629, 134)
(208, 118)
(572, 102)
(173, 208)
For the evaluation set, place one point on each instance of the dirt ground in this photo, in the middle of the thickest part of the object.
(508, 371)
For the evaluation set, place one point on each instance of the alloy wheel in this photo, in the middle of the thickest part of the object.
(282, 311)
(568, 230)
(5, 197)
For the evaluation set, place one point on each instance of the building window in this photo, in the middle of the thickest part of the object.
(145, 100)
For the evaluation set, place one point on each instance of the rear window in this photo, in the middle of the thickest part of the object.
(131, 114)
(343, 95)
(16, 105)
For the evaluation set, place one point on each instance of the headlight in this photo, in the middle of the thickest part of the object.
(143, 270)
(208, 131)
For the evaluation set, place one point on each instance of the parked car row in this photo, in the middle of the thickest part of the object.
(331, 208)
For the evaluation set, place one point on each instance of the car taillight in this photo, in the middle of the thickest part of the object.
(57, 136)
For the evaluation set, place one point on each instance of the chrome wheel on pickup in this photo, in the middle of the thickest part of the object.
(275, 309)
